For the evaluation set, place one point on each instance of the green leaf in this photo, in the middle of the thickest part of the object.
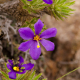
(33, 6)
(21, 76)
(6, 67)
(37, 77)
(5, 75)
(60, 8)
(31, 76)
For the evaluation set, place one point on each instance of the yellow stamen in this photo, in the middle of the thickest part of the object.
(38, 46)
(37, 38)
(16, 68)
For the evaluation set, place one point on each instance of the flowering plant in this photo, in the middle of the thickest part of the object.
(34, 39)
(19, 71)
(35, 8)
(17, 68)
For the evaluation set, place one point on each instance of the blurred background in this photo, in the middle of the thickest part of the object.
(54, 64)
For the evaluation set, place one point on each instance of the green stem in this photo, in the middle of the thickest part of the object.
(68, 73)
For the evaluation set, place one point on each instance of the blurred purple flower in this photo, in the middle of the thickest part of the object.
(16, 68)
(33, 40)
(46, 1)
(29, 0)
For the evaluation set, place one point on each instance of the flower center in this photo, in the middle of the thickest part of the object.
(37, 38)
(15, 68)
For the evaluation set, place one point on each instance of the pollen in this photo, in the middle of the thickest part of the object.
(16, 68)
(37, 38)
(38, 46)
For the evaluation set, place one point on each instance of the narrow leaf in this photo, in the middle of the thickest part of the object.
(5, 75)
(31, 76)
(36, 77)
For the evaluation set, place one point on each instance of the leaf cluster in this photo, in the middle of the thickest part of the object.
(61, 8)
(33, 6)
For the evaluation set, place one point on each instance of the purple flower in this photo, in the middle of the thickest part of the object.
(29, 0)
(17, 68)
(33, 40)
(46, 1)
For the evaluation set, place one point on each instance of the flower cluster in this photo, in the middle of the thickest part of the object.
(46, 1)
(32, 43)
(34, 39)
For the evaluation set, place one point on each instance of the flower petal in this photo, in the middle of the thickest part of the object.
(11, 62)
(51, 32)
(34, 51)
(38, 26)
(21, 60)
(23, 71)
(25, 45)
(19, 65)
(29, 0)
(9, 66)
(26, 33)
(48, 1)
(49, 46)
(12, 75)
(28, 66)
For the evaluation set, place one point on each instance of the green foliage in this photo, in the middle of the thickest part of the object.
(33, 6)
(6, 67)
(36, 77)
(29, 75)
(32, 76)
(5, 75)
(22, 76)
(31, 23)
(60, 8)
